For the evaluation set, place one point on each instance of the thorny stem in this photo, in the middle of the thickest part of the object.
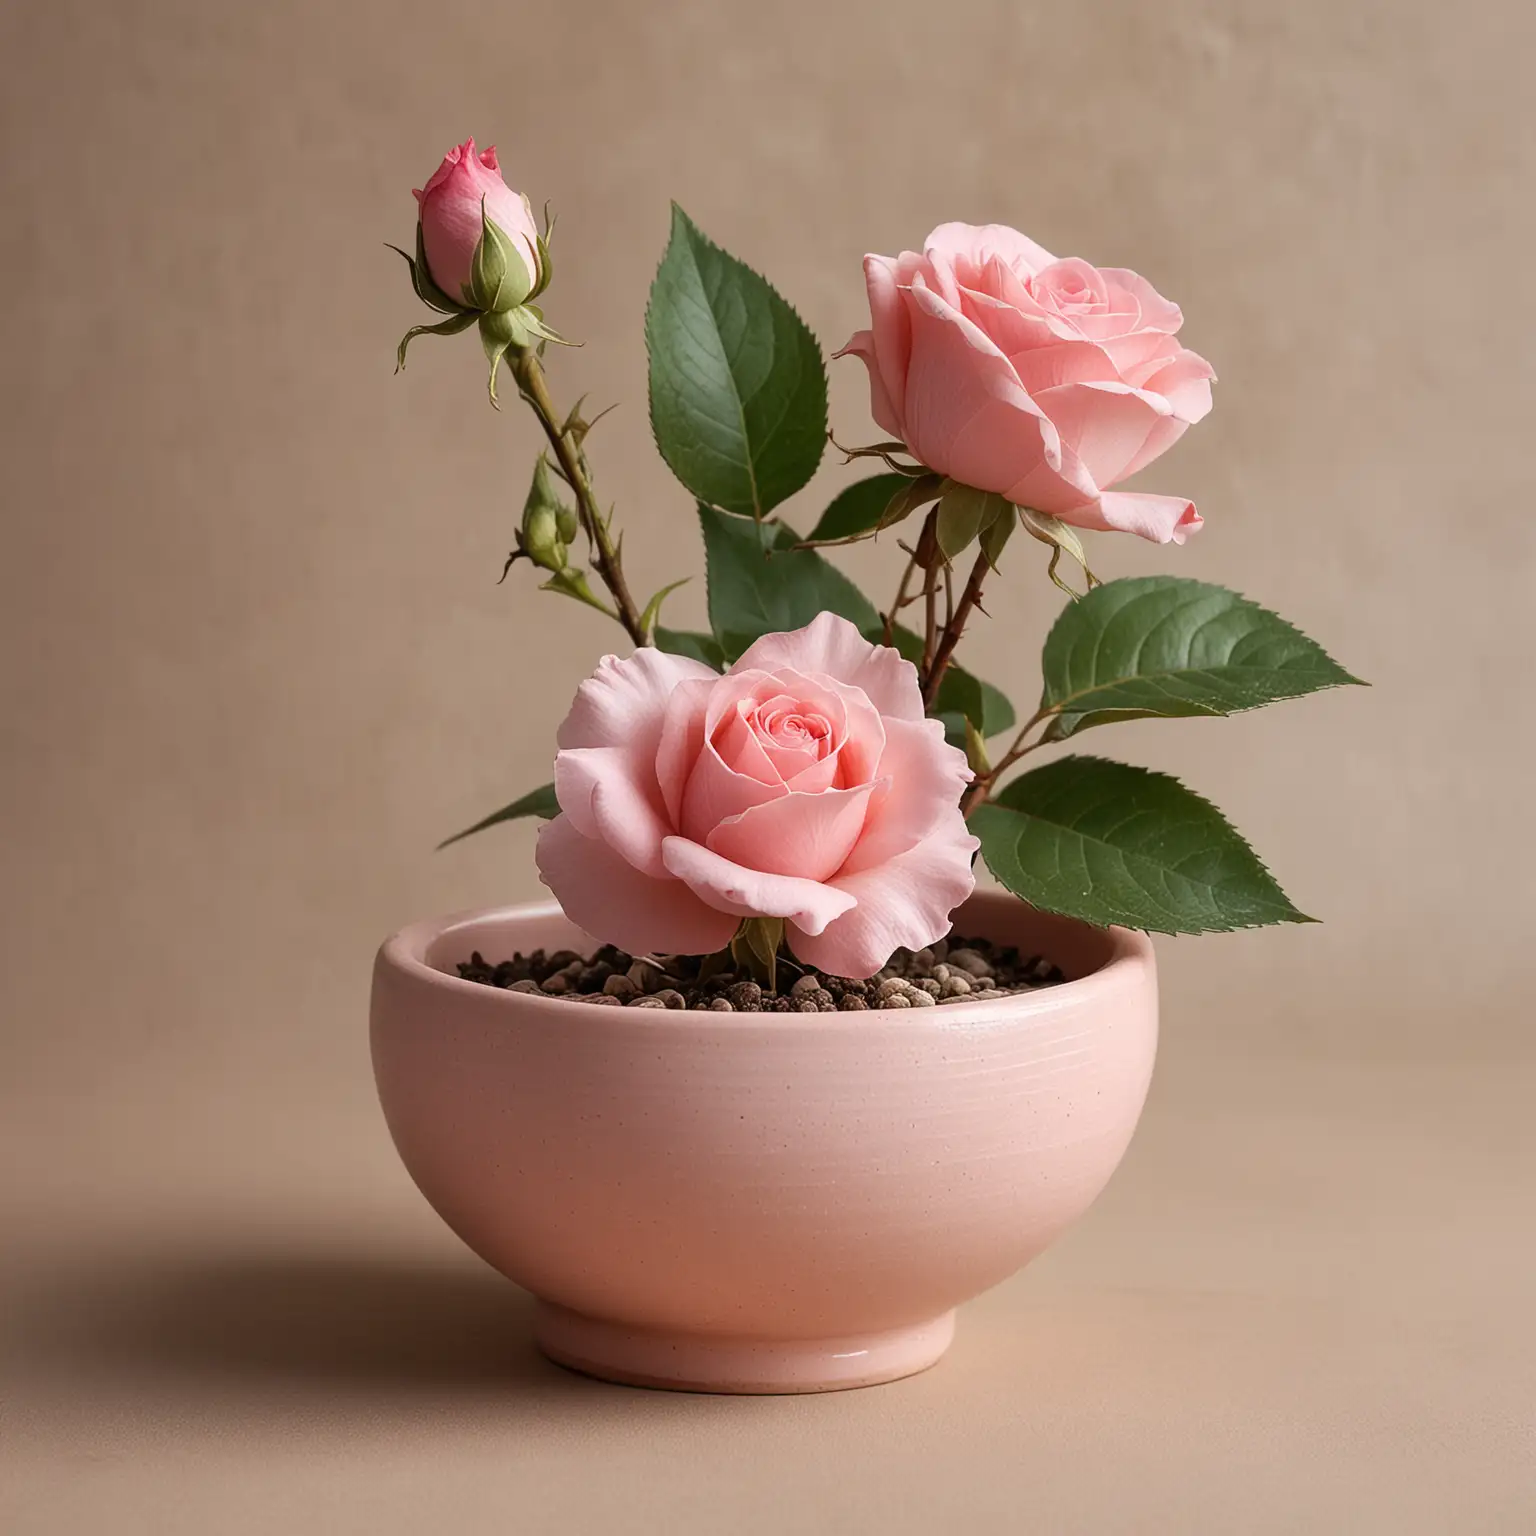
(529, 373)
(930, 617)
(935, 667)
(901, 598)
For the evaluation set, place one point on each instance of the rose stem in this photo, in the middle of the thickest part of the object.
(982, 787)
(901, 598)
(529, 373)
(934, 670)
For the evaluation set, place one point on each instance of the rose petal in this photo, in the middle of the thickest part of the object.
(1162, 519)
(882, 406)
(1185, 382)
(807, 836)
(1063, 362)
(716, 791)
(925, 778)
(597, 789)
(967, 413)
(1157, 313)
(1104, 424)
(746, 892)
(1160, 439)
(682, 739)
(611, 900)
(1012, 328)
(1139, 353)
(891, 331)
(974, 245)
(626, 698)
(833, 647)
(904, 902)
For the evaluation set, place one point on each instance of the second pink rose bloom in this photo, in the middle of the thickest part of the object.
(449, 206)
(804, 784)
(1047, 381)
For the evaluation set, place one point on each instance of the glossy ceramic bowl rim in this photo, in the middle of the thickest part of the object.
(408, 948)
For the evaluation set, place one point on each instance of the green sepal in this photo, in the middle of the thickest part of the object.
(995, 536)
(539, 538)
(421, 278)
(499, 278)
(976, 750)
(545, 515)
(500, 333)
(1062, 539)
(449, 327)
(916, 493)
(572, 582)
(885, 452)
(756, 947)
(963, 513)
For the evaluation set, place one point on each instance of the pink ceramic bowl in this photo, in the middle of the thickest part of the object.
(759, 1202)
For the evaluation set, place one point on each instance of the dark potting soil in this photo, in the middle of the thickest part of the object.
(952, 971)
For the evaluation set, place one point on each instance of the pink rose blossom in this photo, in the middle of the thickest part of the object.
(450, 216)
(805, 784)
(1046, 381)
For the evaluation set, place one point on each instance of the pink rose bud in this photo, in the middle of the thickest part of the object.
(1045, 381)
(451, 228)
(804, 785)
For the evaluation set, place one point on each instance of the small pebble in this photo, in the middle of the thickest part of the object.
(969, 962)
(746, 996)
(974, 971)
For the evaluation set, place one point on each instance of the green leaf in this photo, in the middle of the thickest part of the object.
(738, 387)
(539, 802)
(1164, 645)
(961, 696)
(1109, 843)
(688, 642)
(858, 510)
(759, 583)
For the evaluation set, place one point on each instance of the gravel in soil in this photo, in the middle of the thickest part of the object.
(954, 970)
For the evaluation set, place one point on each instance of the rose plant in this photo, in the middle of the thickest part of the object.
(815, 770)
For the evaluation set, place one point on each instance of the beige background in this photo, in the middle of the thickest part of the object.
(255, 664)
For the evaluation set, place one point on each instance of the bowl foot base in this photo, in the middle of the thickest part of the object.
(693, 1362)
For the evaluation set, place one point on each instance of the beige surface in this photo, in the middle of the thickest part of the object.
(254, 665)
